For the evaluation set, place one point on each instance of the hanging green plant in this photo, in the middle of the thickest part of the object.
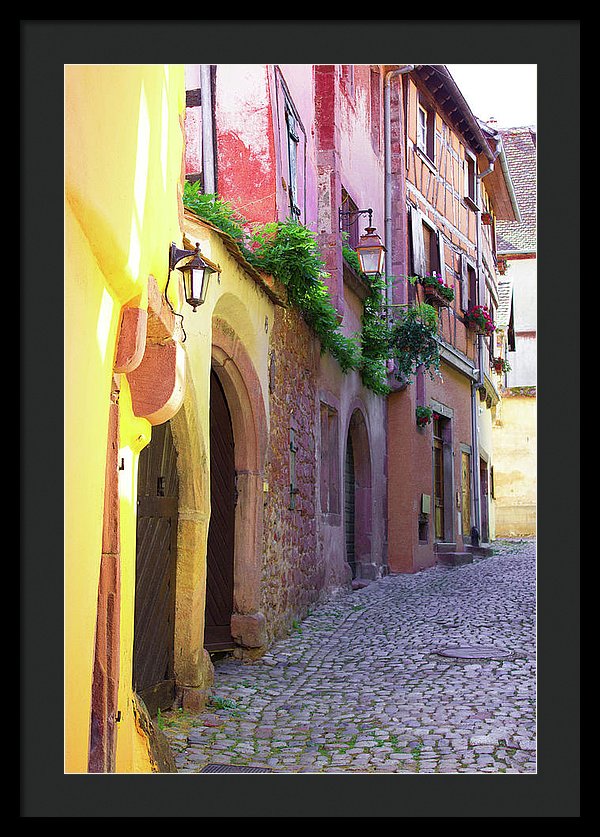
(375, 338)
(414, 341)
(423, 415)
(375, 332)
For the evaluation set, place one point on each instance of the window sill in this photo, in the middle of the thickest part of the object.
(426, 158)
(470, 203)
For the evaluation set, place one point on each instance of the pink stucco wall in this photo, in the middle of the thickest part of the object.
(304, 553)
(246, 170)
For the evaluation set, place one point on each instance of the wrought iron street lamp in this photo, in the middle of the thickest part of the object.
(196, 273)
(370, 249)
(371, 252)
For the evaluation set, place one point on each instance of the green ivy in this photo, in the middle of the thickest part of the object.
(218, 212)
(289, 251)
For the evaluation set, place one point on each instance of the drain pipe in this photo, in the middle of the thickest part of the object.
(478, 382)
(208, 151)
(406, 68)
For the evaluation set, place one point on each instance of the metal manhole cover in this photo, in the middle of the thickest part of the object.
(474, 652)
(232, 768)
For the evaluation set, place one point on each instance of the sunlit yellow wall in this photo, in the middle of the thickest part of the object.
(123, 160)
(515, 457)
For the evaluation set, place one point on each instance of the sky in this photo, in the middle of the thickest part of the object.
(506, 92)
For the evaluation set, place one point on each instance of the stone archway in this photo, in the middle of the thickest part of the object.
(243, 392)
(358, 445)
(193, 668)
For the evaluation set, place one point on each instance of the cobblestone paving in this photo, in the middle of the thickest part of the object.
(361, 686)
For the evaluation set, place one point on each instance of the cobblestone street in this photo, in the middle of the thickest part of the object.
(427, 673)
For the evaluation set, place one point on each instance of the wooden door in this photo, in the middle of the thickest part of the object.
(466, 493)
(350, 506)
(483, 483)
(221, 531)
(438, 488)
(156, 557)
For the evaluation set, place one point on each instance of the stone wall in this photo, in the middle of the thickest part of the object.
(291, 577)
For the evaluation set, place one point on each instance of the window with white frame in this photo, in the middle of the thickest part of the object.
(427, 246)
(426, 131)
(470, 179)
(468, 284)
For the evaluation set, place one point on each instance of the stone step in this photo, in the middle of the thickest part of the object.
(454, 559)
(481, 551)
(445, 547)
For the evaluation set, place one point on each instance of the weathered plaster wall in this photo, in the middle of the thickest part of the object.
(409, 453)
(515, 459)
(245, 140)
(361, 159)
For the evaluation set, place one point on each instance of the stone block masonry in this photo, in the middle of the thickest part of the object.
(291, 578)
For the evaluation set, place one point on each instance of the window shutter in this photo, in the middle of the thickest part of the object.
(464, 284)
(293, 140)
(442, 257)
(418, 247)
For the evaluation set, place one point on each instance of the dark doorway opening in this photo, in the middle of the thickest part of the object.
(350, 506)
(221, 532)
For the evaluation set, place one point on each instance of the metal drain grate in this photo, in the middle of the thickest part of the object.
(232, 768)
(474, 652)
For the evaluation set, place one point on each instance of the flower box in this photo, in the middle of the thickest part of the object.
(499, 365)
(479, 319)
(434, 297)
(436, 291)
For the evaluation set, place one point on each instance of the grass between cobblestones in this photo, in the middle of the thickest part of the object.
(351, 687)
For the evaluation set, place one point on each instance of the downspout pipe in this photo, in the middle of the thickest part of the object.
(208, 150)
(478, 382)
(387, 117)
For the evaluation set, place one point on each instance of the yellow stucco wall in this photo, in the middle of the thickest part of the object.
(515, 464)
(123, 162)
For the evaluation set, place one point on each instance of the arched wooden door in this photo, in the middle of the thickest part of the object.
(156, 557)
(221, 531)
(350, 506)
